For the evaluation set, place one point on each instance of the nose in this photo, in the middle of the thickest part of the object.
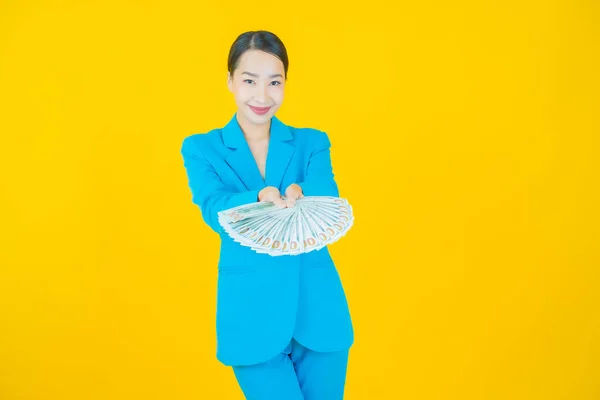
(261, 94)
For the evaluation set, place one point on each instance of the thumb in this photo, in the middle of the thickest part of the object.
(290, 201)
(280, 203)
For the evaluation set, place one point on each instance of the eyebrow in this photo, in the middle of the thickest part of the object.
(256, 75)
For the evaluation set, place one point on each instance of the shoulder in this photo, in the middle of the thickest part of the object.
(199, 142)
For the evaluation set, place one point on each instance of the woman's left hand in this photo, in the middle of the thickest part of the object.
(292, 193)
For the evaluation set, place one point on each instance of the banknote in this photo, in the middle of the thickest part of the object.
(312, 223)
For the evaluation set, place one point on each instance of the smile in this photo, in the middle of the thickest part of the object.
(259, 110)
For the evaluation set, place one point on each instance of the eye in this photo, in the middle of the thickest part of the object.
(278, 83)
(248, 80)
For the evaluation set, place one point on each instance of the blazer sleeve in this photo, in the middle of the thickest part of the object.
(207, 188)
(319, 179)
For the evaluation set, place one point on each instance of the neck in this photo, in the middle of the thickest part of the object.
(252, 131)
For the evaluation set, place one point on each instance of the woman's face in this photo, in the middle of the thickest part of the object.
(258, 81)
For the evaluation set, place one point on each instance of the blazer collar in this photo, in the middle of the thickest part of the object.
(242, 161)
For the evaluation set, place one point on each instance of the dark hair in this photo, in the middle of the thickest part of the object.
(257, 40)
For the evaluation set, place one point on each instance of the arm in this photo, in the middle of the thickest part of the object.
(319, 179)
(208, 191)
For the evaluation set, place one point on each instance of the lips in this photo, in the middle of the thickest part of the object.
(259, 110)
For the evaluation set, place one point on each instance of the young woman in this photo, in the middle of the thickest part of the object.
(283, 322)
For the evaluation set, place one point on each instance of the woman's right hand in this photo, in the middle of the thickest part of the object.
(271, 194)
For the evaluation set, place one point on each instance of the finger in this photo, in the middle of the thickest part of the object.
(275, 196)
(291, 202)
(297, 194)
(280, 203)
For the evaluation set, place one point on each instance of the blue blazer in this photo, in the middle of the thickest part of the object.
(264, 301)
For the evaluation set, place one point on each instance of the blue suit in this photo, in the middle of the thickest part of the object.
(264, 302)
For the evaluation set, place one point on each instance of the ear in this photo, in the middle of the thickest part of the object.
(229, 82)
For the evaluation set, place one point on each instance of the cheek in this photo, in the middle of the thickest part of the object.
(242, 94)
(277, 95)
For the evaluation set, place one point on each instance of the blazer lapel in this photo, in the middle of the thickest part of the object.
(242, 162)
(280, 153)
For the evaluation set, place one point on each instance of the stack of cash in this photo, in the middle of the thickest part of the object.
(312, 223)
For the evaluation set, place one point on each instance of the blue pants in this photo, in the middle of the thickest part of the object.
(297, 373)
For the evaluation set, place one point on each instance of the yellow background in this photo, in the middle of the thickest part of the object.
(465, 134)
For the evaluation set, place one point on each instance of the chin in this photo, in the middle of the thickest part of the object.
(259, 119)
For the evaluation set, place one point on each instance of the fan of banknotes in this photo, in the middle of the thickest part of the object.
(312, 223)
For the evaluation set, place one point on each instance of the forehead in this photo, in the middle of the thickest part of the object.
(260, 62)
